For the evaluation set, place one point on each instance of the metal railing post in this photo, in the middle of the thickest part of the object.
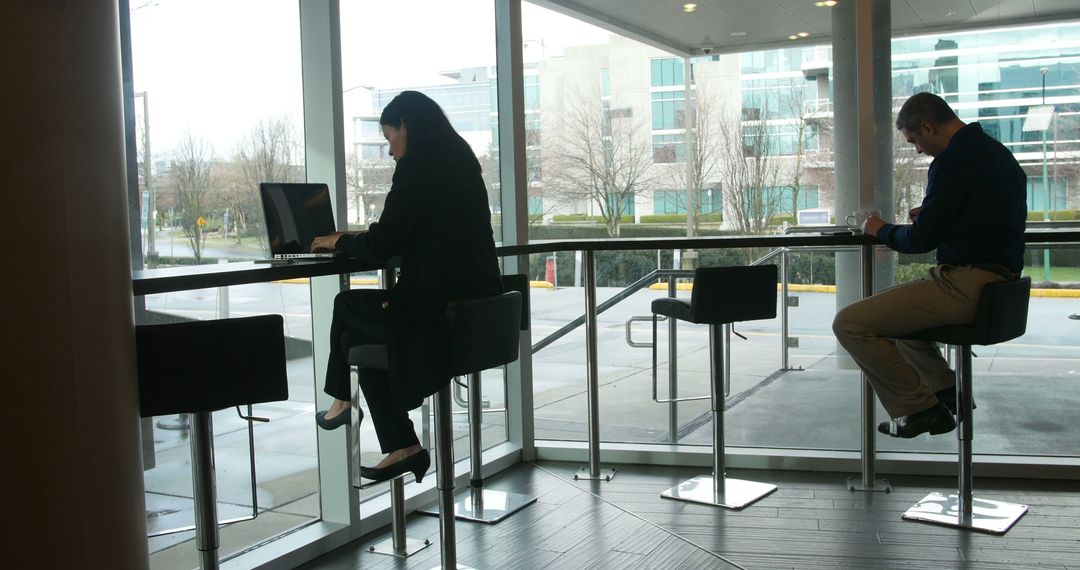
(868, 435)
(784, 310)
(593, 470)
(673, 379)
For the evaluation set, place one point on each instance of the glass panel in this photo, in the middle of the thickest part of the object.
(208, 131)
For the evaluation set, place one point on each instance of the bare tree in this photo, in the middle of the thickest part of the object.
(748, 171)
(601, 155)
(806, 117)
(909, 178)
(535, 188)
(368, 181)
(190, 178)
(266, 154)
(705, 146)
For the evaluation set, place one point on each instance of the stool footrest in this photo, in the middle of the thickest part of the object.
(995, 517)
(737, 493)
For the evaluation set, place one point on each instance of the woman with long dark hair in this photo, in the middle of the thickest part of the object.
(436, 218)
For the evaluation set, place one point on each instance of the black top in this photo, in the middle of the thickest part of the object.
(975, 206)
(436, 218)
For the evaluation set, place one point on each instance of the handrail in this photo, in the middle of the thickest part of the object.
(845, 238)
(629, 290)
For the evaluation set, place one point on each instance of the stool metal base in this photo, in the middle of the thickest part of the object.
(879, 486)
(412, 546)
(738, 493)
(484, 505)
(584, 474)
(995, 517)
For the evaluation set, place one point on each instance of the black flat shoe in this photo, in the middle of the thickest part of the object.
(418, 463)
(936, 420)
(947, 396)
(336, 421)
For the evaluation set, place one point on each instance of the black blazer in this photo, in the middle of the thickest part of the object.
(436, 218)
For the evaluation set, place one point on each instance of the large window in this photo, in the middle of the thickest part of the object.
(216, 113)
(378, 62)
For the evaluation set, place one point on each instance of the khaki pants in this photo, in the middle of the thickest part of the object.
(905, 374)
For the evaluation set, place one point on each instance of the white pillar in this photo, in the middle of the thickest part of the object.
(71, 429)
(515, 205)
(862, 135)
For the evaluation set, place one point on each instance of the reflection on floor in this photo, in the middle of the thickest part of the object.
(812, 521)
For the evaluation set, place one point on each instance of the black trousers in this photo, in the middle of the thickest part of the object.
(359, 318)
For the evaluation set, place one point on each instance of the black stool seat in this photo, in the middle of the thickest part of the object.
(369, 356)
(203, 366)
(672, 307)
(1001, 315)
(724, 295)
(483, 332)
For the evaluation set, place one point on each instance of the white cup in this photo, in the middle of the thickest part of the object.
(855, 220)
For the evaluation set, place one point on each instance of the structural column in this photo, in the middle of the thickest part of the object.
(515, 206)
(862, 104)
(71, 433)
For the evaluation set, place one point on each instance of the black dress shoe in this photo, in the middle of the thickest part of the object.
(418, 463)
(336, 421)
(936, 420)
(947, 396)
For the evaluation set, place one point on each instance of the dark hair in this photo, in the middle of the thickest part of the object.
(428, 128)
(923, 107)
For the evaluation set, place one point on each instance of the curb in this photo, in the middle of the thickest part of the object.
(798, 287)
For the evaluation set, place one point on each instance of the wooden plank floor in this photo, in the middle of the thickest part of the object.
(812, 521)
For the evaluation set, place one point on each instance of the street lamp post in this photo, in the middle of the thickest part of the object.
(1046, 183)
(151, 205)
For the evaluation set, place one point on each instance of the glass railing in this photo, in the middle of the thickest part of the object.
(789, 386)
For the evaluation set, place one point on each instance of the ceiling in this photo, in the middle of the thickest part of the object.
(758, 24)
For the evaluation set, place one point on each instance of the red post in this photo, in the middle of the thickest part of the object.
(549, 273)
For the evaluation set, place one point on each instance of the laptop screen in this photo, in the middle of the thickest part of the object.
(295, 214)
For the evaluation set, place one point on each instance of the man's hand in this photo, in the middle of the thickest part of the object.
(913, 213)
(325, 243)
(872, 224)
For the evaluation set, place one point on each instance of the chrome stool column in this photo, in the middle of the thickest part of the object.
(1001, 315)
(721, 296)
(479, 504)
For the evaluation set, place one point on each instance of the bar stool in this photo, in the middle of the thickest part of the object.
(1001, 315)
(479, 504)
(721, 296)
(483, 334)
(203, 366)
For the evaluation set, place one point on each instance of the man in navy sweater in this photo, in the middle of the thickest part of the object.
(973, 214)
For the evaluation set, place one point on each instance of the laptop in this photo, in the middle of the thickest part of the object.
(296, 213)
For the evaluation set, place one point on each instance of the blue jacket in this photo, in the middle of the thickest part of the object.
(975, 206)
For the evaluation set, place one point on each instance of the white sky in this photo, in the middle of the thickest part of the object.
(216, 67)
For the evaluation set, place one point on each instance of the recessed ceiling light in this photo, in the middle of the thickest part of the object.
(803, 34)
(825, 4)
(689, 8)
(738, 34)
(793, 37)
